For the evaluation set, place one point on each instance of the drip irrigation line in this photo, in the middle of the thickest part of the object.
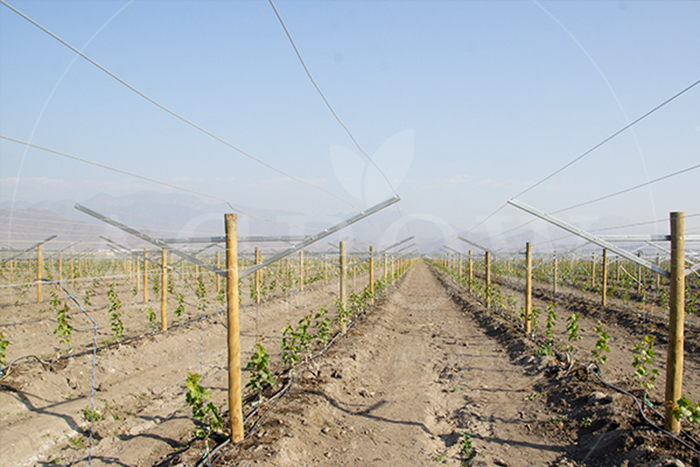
(175, 114)
(285, 390)
(569, 357)
(618, 132)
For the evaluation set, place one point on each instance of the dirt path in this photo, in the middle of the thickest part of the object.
(415, 374)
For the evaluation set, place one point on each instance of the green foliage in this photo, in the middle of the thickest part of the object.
(601, 345)
(572, 329)
(92, 415)
(322, 323)
(535, 319)
(259, 367)
(643, 357)
(180, 305)
(201, 293)
(467, 449)
(115, 318)
(88, 293)
(203, 409)
(4, 344)
(221, 296)
(290, 349)
(151, 318)
(134, 290)
(63, 326)
(687, 409)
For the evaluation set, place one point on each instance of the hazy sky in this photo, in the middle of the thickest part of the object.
(462, 104)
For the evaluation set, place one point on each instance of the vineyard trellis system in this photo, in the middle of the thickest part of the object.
(580, 273)
(134, 272)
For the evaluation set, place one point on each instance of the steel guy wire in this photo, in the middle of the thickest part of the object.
(94, 360)
(335, 115)
(617, 193)
(175, 114)
(618, 132)
(148, 179)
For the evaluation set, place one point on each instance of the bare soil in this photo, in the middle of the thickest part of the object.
(426, 377)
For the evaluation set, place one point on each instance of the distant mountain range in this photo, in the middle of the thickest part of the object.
(183, 215)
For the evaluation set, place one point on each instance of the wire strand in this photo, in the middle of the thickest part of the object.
(175, 114)
(328, 104)
(152, 180)
(618, 132)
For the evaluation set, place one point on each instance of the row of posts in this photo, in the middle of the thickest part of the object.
(674, 360)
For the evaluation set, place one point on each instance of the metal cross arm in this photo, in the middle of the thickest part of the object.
(474, 244)
(586, 236)
(151, 240)
(247, 239)
(47, 239)
(321, 235)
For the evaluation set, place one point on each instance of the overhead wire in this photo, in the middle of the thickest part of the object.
(142, 177)
(617, 193)
(175, 114)
(609, 138)
(586, 153)
(330, 107)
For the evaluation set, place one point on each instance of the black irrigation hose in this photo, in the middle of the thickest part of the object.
(641, 412)
(636, 400)
(284, 391)
(6, 371)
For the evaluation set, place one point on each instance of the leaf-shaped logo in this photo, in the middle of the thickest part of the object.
(362, 179)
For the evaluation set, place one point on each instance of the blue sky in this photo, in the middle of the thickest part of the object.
(462, 104)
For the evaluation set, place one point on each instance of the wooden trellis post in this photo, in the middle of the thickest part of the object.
(487, 279)
(674, 360)
(554, 278)
(60, 266)
(343, 280)
(471, 270)
(257, 276)
(301, 270)
(39, 271)
(386, 265)
(592, 270)
(528, 287)
(235, 401)
(164, 291)
(371, 269)
(604, 299)
(145, 275)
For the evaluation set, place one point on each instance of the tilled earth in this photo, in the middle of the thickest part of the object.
(426, 377)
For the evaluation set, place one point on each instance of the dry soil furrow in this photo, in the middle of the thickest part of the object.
(415, 374)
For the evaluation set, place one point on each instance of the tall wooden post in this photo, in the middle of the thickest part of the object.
(658, 276)
(639, 277)
(393, 269)
(604, 299)
(343, 280)
(459, 271)
(386, 265)
(235, 404)
(60, 266)
(145, 275)
(487, 280)
(592, 270)
(674, 361)
(301, 270)
(257, 276)
(325, 269)
(554, 278)
(164, 290)
(371, 269)
(218, 277)
(528, 287)
(471, 270)
(39, 271)
(137, 273)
